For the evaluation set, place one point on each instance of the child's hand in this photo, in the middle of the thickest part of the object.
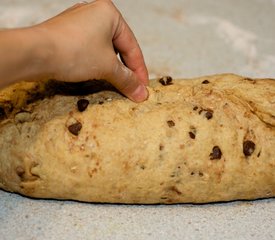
(85, 39)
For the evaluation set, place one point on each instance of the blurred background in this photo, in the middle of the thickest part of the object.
(181, 38)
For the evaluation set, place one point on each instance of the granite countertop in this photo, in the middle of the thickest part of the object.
(181, 38)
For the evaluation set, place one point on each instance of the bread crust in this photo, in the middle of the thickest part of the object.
(199, 140)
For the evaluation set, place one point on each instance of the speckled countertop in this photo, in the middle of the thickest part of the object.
(181, 38)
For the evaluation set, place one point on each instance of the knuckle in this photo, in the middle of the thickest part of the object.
(122, 77)
(106, 4)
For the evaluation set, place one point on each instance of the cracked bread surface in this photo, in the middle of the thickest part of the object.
(198, 140)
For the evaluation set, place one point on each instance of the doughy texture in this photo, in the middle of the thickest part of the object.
(193, 141)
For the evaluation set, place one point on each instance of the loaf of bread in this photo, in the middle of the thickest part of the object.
(197, 140)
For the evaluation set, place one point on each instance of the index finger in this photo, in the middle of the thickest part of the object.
(126, 44)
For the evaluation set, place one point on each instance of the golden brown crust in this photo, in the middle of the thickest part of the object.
(198, 140)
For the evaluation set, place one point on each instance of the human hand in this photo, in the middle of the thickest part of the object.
(85, 39)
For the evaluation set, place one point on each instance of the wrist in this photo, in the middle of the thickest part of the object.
(40, 53)
(25, 56)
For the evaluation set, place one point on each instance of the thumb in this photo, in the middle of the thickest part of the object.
(127, 82)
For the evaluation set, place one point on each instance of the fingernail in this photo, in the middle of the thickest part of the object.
(140, 94)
